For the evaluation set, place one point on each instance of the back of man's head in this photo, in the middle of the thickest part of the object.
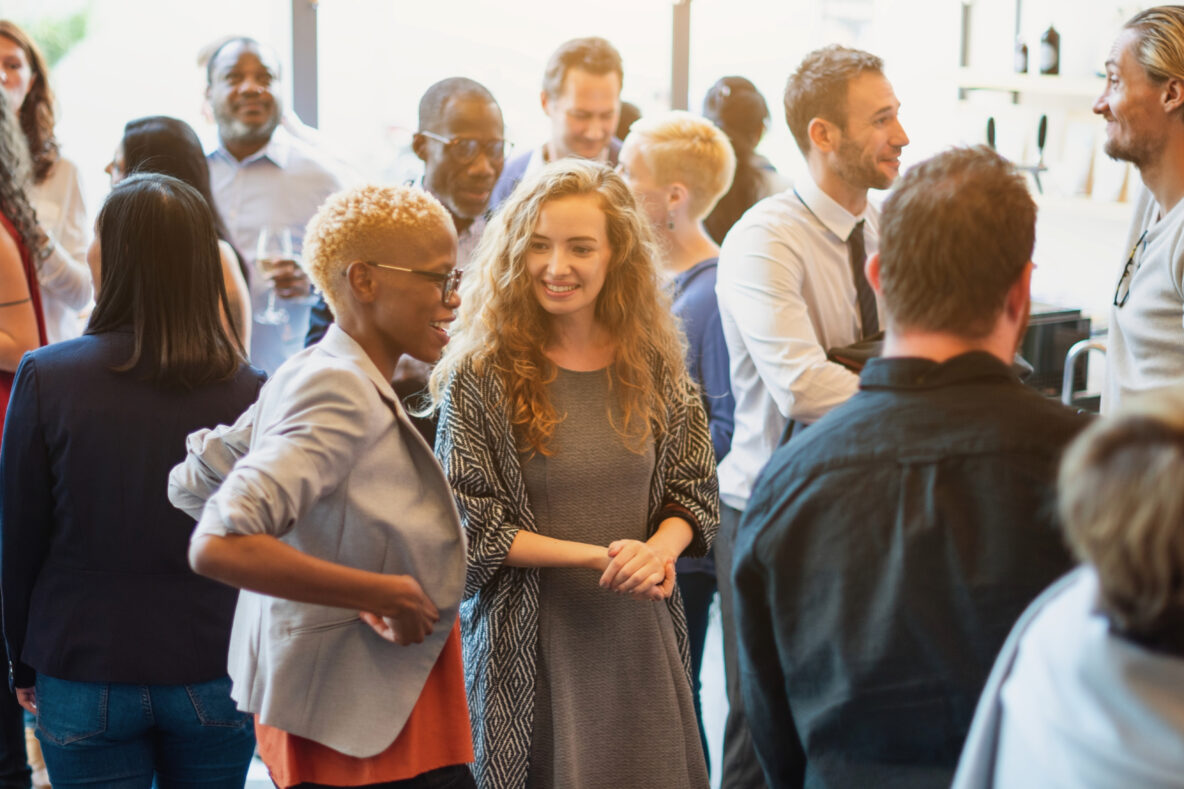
(955, 235)
(818, 89)
(435, 99)
(592, 54)
(1159, 46)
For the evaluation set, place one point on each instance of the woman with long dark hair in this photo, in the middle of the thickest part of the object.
(54, 188)
(738, 108)
(579, 455)
(158, 144)
(117, 647)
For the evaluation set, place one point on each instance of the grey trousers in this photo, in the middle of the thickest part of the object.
(740, 768)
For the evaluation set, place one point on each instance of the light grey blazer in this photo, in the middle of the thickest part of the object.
(328, 462)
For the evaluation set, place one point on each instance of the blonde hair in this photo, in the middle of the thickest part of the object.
(681, 147)
(501, 329)
(358, 224)
(1120, 501)
(1160, 45)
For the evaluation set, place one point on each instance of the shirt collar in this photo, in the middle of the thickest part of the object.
(278, 151)
(826, 210)
(898, 372)
(339, 344)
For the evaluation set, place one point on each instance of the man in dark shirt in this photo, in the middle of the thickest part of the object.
(887, 550)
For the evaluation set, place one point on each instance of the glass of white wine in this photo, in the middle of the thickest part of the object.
(273, 251)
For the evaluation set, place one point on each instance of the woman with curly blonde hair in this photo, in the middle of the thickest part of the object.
(580, 458)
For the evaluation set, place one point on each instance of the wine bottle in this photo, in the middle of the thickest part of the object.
(1050, 51)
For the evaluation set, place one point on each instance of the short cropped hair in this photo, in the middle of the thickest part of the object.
(436, 97)
(1122, 512)
(691, 150)
(210, 53)
(955, 235)
(359, 224)
(592, 54)
(818, 89)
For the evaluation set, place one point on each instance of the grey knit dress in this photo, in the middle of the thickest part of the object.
(612, 701)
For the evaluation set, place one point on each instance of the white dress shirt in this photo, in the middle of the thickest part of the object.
(283, 184)
(786, 295)
(64, 276)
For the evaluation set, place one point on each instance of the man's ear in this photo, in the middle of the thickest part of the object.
(545, 101)
(824, 135)
(419, 144)
(1172, 95)
(1019, 295)
(871, 270)
(361, 282)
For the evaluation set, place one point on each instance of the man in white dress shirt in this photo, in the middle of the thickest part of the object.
(1143, 105)
(790, 286)
(262, 176)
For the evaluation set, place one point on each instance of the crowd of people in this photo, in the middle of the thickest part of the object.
(433, 485)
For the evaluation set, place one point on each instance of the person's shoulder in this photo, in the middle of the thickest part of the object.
(516, 166)
(780, 214)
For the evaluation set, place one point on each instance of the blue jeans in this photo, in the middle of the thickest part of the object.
(123, 736)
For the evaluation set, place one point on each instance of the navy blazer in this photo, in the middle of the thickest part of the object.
(94, 571)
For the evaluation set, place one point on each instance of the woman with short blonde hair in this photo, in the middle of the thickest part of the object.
(678, 166)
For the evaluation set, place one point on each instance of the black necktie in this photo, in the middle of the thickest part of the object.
(865, 297)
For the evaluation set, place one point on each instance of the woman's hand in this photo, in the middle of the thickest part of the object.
(402, 614)
(635, 568)
(27, 698)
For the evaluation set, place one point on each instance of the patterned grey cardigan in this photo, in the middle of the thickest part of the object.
(499, 616)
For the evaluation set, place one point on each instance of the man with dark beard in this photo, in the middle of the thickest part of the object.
(886, 552)
(791, 285)
(264, 177)
(1143, 105)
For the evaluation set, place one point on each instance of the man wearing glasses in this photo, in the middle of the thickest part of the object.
(461, 142)
(1143, 105)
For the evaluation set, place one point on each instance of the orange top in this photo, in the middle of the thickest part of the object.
(436, 735)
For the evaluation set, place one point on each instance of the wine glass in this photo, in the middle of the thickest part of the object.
(272, 251)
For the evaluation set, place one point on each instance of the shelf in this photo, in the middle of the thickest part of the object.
(1032, 84)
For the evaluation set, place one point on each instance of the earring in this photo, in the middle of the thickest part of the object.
(670, 220)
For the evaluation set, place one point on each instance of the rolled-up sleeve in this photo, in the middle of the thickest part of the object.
(761, 284)
(306, 448)
(210, 455)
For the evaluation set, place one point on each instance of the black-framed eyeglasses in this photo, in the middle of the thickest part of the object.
(448, 282)
(1123, 291)
(465, 149)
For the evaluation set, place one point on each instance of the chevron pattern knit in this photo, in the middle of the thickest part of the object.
(499, 617)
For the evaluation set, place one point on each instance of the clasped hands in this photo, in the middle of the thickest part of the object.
(637, 569)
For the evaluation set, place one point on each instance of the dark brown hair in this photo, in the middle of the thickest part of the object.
(162, 276)
(36, 113)
(956, 233)
(818, 89)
